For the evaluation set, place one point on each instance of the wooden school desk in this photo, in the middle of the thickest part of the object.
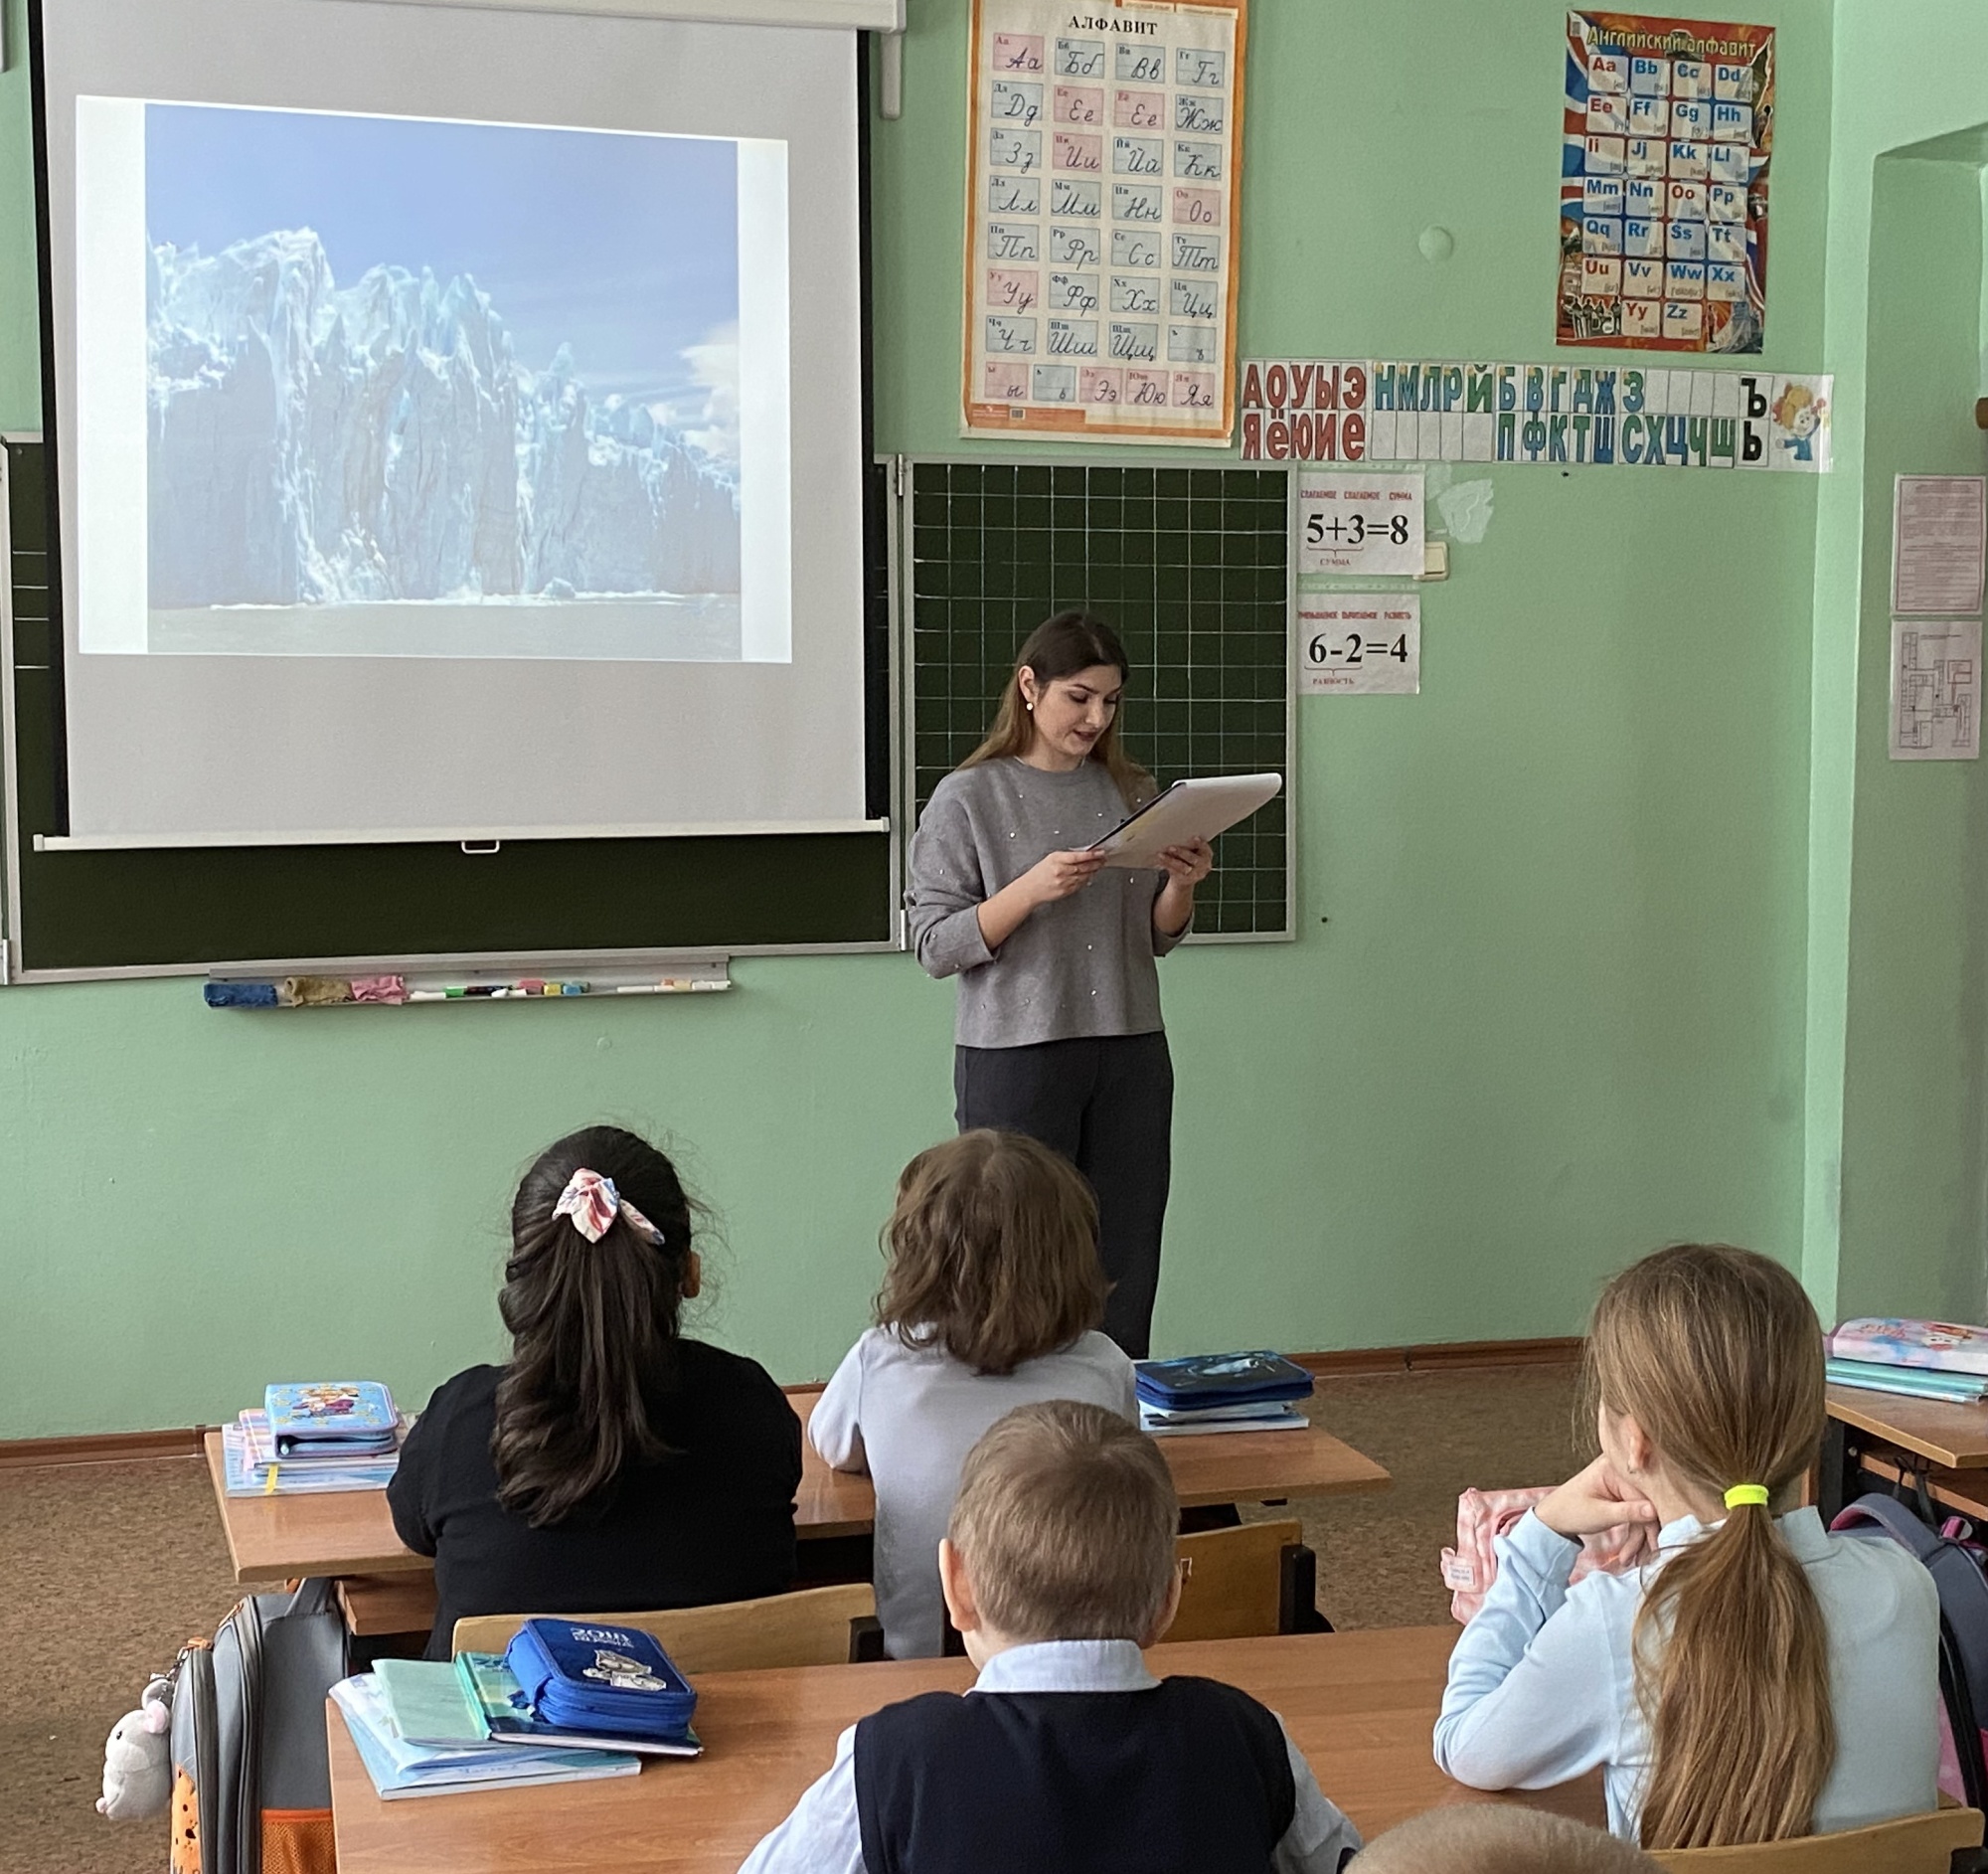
(1360, 1706)
(1876, 1439)
(350, 1533)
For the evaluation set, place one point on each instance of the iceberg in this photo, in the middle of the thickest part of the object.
(316, 445)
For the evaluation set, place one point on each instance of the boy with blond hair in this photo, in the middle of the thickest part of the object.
(1059, 1568)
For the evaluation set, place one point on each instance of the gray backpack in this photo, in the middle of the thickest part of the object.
(251, 1780)
(1960, 1570)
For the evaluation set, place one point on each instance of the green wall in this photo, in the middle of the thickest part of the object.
(1561, 1010)
(1894, 1188)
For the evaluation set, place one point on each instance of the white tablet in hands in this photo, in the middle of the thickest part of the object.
(1186, 812)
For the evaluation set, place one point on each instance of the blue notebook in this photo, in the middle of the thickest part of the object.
(1209, 1380)
(331, 1416)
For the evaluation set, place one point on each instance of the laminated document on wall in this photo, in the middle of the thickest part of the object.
(1360, 523)
(1106, 149)
(1936, 689)
(1940, 542)
(1360, 644)
(1667, 133)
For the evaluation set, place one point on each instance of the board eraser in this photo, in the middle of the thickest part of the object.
(240, 994)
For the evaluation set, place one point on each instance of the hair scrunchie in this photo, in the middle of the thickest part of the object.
(593, 1202)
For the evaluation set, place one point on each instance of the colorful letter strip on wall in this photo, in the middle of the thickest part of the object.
(1565, 415)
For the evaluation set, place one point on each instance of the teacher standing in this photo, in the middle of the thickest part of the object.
(1058, 1031)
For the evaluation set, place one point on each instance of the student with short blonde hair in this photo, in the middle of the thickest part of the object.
(1067, 1756)
(991, 1299)
(1499, 1838)
(1761, 1679)
(1070, 1518)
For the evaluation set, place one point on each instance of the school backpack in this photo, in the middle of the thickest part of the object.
(1958, 1564)
(251, 1778)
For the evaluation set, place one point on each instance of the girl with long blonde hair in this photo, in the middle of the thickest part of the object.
(1058, 1032)
(1761, 1679)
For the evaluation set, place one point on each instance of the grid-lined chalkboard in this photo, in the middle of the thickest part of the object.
(1189, 565)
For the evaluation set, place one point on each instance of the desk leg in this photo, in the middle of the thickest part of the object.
(1837, 1471)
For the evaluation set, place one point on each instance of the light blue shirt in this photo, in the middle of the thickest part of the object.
(822, 1835)
(1542, 1684)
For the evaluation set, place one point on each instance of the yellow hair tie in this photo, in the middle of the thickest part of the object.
(1747, 1493)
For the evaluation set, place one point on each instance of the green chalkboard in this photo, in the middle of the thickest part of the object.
(1189, 565)
(173, 909)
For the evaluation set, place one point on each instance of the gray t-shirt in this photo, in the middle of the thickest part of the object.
(909, 1416)
(1083, 965)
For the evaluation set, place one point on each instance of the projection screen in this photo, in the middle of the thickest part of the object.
(458, 416)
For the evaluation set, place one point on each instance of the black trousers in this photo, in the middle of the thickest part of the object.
(1106, 1103)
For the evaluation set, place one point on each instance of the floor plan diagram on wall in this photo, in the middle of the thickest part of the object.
(1936, 689)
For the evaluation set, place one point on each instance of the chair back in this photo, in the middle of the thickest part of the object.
(1232, 1581)
(817, 1626)
(1915, 1845)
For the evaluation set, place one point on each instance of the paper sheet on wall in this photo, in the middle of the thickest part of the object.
(1936, 689)
(1666, 132)
(1363, 524)
(1360, 644)
(1940, 539)
(1106, 145)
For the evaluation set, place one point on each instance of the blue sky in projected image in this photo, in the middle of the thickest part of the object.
(623, 247)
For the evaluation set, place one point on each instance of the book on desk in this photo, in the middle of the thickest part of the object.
(400, 1767)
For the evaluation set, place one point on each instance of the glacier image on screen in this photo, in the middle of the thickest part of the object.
(439, 389)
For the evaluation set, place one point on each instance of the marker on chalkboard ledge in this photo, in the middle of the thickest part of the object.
(329, 991)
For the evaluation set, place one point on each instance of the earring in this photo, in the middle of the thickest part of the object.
(1030, 707)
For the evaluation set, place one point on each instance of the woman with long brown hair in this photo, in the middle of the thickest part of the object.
(612, 1465)
(1058, 1032)
(1761, 1679)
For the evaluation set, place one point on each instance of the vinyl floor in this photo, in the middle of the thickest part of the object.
(106, 1568)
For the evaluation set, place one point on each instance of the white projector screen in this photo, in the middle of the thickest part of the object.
(458, 416)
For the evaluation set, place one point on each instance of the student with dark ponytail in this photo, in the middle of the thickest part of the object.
(612, 1465)
(1761, 1679)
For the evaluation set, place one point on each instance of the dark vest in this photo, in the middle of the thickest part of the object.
(1190, 1778)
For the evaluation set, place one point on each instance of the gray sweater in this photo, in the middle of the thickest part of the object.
(1083, 965)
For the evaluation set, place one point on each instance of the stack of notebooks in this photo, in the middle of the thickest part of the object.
(338, 1435)
(606, 1697)
(1222, 1392)
(1922, 1359)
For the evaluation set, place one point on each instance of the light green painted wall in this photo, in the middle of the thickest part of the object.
(1557, 1016)
(1894, 1216)
(1913, 1168)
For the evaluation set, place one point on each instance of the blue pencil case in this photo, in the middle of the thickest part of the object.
(1213, 1380)
(601, 1679)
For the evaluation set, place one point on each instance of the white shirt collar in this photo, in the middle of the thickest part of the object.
(1801, 1529)
(1067, 1665)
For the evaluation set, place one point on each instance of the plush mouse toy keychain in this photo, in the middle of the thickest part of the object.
(139, 1757)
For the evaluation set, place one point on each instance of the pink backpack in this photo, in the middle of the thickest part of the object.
(1470, 1569)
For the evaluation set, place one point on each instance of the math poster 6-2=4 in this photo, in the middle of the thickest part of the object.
(1102, 182)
